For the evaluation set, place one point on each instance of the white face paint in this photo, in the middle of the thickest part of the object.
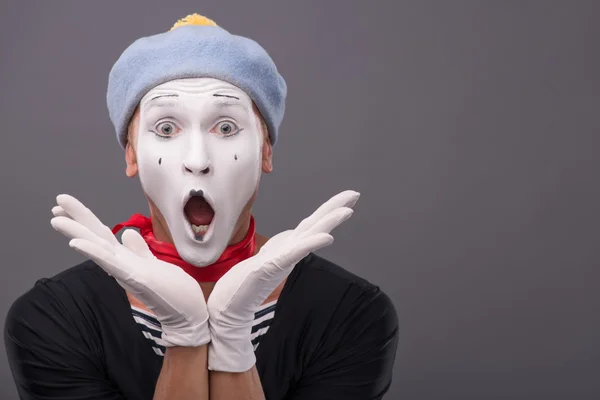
(199, 134)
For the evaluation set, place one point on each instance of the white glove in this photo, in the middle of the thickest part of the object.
(239, 293)
(171, 294)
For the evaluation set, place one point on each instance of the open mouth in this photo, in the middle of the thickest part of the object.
(199, 213)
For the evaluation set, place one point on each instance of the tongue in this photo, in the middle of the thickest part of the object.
(198, 211)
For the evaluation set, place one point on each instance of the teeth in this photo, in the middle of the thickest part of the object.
(199, 229)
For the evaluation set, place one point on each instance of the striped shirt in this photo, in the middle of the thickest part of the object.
(152, 331)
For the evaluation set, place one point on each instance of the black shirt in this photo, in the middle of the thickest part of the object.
(152, 329)
(73, 336)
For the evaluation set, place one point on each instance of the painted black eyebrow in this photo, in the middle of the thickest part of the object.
(225, 95)
(164, 95)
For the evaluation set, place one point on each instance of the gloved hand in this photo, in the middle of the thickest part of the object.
(238, 294)
(171, 294)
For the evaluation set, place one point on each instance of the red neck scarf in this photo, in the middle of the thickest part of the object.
(167, 252)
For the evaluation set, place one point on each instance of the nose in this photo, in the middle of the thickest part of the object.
(197, 160)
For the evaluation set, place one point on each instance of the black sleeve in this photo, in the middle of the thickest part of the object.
(50, 348)
(355, 358)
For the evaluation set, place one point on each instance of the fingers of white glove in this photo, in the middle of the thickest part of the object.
(352, 198)
(329, 222)
(86, 217)
(58, 211)
(276, 241)
(108, 261)
(344, 199)
(74, 230)
(240, 291)
(264, 280)
(136, 243)
(292, 254)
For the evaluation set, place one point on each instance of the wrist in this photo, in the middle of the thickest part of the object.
(184, 354)
(183, 374)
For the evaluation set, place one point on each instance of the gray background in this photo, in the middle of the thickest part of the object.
(470, 128)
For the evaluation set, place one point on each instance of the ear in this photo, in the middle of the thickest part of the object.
(267, 156)
(131, 160)
(130, 156)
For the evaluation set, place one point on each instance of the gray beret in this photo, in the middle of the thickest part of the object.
(194, 51)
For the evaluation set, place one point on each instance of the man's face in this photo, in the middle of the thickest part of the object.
(199, 154)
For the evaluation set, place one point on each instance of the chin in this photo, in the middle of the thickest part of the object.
(199, 257)
(200, 262)
(199, 253)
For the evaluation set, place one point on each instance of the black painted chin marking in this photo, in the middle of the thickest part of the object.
(159, 161)
(235, 156)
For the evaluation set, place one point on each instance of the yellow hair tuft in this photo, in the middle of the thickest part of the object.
(194, 19)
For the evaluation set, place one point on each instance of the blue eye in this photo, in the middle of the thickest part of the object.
(227, 128)
(165, 129)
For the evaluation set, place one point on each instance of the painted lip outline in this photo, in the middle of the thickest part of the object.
(191, 233)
